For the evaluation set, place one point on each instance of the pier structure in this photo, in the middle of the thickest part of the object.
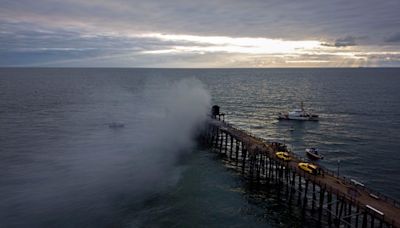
(326, 199)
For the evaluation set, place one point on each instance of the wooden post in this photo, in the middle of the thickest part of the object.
(303, 213)
(287, 182)
(330, 208)
(346, 205)
(372, 221)
(365, 219)
(321, 205)
(270, 170)
(279, 181)
(337, 206)
(216, 138)
(287, 173)
(210, 135)
(213, 136)
(341, 210)
(251, 165)
(221, 141)
(226, 142)
(299, 190)
(259, 165)
(264, 166)
(275, 172)
(357, 212)
(231, 149)
(314, 198)
(237, 152)
(348, 219)
(292, 187)
(244, 153)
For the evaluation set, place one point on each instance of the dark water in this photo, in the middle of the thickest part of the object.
(65, 164)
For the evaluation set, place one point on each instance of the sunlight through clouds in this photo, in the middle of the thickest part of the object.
(244, 45)
(259, 52)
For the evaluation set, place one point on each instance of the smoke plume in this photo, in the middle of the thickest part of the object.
(94, 174)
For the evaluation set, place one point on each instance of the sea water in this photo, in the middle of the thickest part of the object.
(116, 147)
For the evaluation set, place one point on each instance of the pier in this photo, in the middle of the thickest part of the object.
(327, 200)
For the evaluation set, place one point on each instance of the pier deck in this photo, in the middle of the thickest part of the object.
(355, 204)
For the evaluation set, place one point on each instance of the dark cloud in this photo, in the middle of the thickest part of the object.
(393, 38)
(342, 42)
(274, 18)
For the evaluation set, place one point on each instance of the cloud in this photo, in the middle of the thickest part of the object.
(342, 42)
(44, 32)
(274, 19)
(393, 38)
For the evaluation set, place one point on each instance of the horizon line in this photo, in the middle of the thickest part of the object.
(103, 67)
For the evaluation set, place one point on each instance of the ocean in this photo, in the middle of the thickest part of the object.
(99, 147)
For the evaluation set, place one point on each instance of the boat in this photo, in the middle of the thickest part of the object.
(313, 154)
(115, 125)
(298, 114)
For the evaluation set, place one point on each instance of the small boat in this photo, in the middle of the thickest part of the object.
(298, 114)
(313, 154)
(116, 125)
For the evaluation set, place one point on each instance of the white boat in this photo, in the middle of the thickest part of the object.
(313, 154)
(298, 114)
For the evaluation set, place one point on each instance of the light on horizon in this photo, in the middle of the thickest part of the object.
(243, 45)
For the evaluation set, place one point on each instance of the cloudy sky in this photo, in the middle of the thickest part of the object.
(200, 33)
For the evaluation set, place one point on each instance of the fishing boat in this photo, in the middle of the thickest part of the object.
(298, 114)
(313, 154)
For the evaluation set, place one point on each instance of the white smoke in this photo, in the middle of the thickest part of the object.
(85, 180)
(173, 115)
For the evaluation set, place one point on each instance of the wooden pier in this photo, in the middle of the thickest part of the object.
(326, 199)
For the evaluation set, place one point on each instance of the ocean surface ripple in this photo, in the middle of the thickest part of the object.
(115, 147)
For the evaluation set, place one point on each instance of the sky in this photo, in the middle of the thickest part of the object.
(200, 33)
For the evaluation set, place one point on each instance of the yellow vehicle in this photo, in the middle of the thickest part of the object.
(309, 168)
(283, 155)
